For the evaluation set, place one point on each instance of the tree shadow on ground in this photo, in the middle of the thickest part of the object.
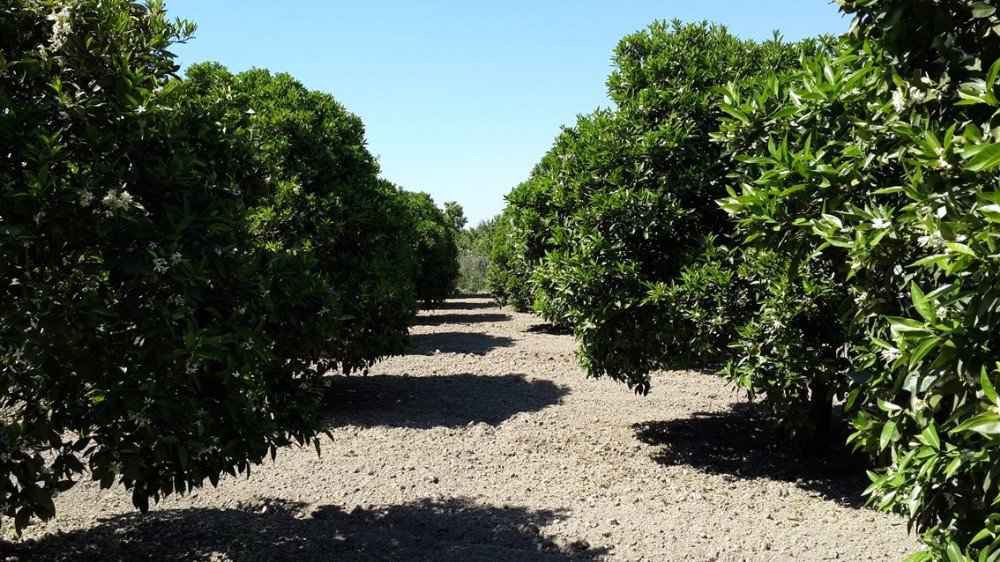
(473, 343)
(464, 305)
(744, 443)
(455, 529)
(436, 401)
(457, 318)
(550, 329)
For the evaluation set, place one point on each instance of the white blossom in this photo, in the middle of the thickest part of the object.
(932, 239)
(61, 27)
(898, 100)
(942, 211)
(160, 265)
(117, 201)
(879, 223)
(176, 257)
(890, 355)
(86, 198)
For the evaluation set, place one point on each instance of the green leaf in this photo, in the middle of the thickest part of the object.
(930, 436)
(921, 304)
(987, 423)
(982, 158)
(888, 430)
(988, 389)
(982, 10)
(887, 406)
(954, 552)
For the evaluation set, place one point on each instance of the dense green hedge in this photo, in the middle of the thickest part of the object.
(863, 260)
(327, 203)
(625, 199)
(474, 247)
(181, 260)
(431, 232)
(873, 169)
(517, 243)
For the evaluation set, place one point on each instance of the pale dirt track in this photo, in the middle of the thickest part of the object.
(488, 443)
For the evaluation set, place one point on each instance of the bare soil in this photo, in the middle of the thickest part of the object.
(487, 442)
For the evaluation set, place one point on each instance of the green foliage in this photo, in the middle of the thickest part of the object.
(517, 243)
(456, 215)
(474, 246)
(180, 261)
(327, 203)
(624, 201)
(432, 234)
(872, 172)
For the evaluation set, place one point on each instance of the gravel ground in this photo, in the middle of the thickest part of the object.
(487, 442)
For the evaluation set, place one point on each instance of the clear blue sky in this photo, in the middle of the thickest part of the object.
(460, 98)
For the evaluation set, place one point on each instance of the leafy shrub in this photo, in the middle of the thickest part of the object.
(456, 215)
(518, 242)
(474, 245)
(432, 235)
(877, 165)
(624, 201)
(327, 203)
(168, 305)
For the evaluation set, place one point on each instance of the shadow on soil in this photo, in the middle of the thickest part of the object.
(458, 318)
(550, 329)
(742, 442)
(436, 401)
(273, 529)
(457, 342)
(464, 305)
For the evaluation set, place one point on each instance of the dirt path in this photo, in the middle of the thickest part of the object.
(488, 443)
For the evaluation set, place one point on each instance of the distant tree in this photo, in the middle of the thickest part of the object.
(455, 214)
(474, 256)
(429, 229)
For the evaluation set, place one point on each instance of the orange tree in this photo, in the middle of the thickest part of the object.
(603, 235)
(174, 278)
(871, 173)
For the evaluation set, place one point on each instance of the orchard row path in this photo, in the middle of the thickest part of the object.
(487, 442)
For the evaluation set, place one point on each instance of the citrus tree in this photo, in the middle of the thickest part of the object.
(873, 170)
(603, 232)
(180, 260)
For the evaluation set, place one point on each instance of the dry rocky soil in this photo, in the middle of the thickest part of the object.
(487, 442)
